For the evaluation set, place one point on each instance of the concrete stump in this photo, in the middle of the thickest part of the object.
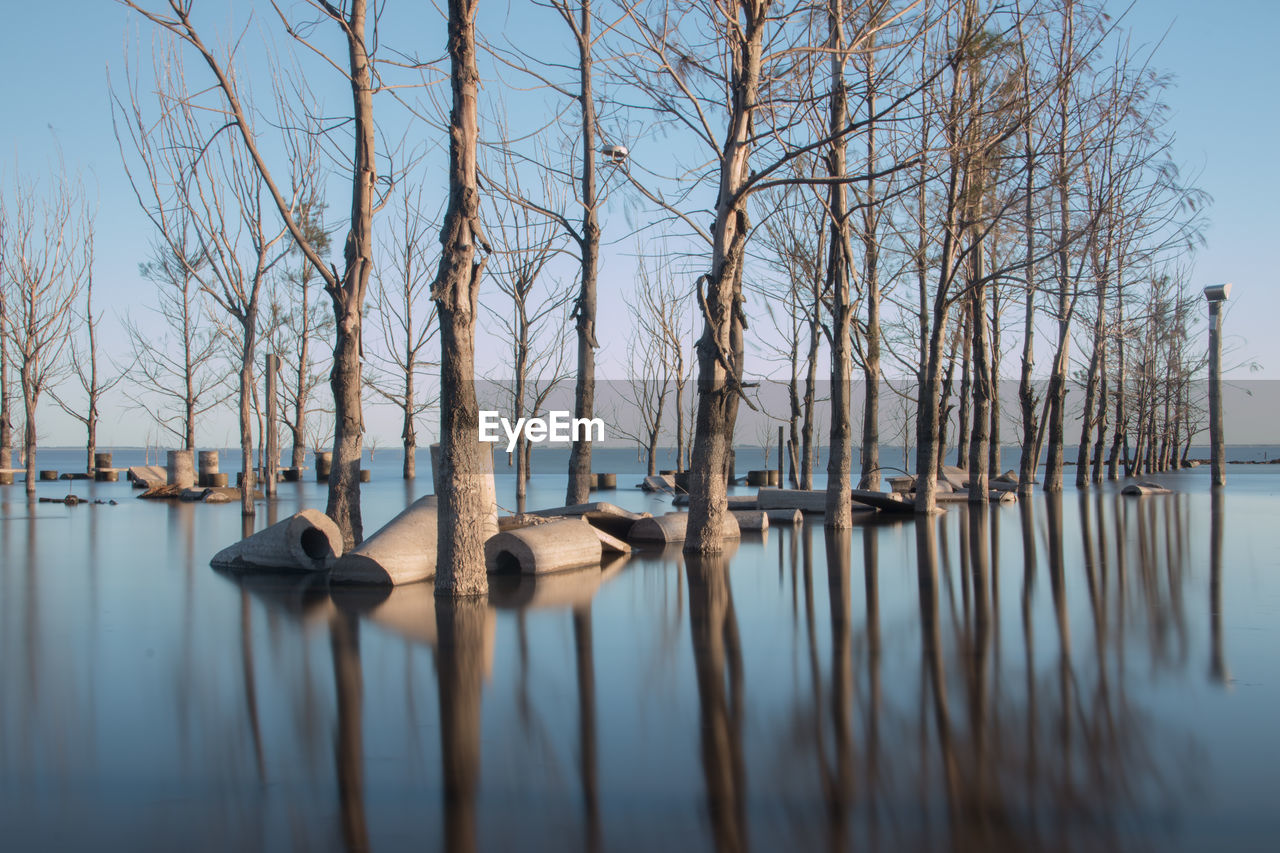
(216, 480)
(758, 477)
(101, 460)
(556, 546)
(48, 475)
(324, 463)
(365, 475)
(291, 475)
(607, 481)
(403, 551)
(307, 541)
(180, 469)
(6, 478)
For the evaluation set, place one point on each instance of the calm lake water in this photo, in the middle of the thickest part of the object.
(1088, 672)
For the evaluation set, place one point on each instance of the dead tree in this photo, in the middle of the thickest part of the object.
(41, 234)
(346, 290)
(527, 316)
(6, 417)
(460, 568)
(407, 322)
(84, 358)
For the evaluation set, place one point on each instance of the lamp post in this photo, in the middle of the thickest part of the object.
(1216, 294)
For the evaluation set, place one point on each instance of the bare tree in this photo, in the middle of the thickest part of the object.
(39, 262)
(6, 418)
(176, 366)
(407, 324)
(84, 358)
(346, 290)
(460, 569)
(527, 241)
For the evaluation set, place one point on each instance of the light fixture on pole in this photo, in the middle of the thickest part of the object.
(1216, 294)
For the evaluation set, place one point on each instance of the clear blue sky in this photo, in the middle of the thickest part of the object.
(54, 57)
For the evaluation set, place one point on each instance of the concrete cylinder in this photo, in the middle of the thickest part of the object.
(324, 464)
(101, 460)
(208, 465)
(216, 480)
(758, 478)
(673, 527)
(48, 475)
(403, 551)
(106, 476)
(775, 477)
(751, 519)
(6, 478)
(607, 481)
(568, 543)
(365, 475)
(181, 471)
(291, 475)
(307, 541)
(784, 516)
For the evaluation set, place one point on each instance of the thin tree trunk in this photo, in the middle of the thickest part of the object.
(839, 512)
(585, 308)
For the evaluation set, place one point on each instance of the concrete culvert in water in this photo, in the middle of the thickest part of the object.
(567, 543)
(307, 541)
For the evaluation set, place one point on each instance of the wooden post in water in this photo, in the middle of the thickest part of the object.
(1216, 294)
(273, 435)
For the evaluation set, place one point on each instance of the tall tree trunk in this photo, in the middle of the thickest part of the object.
(1094, 409)
(247, 467)
(720, 349)
(585, 307)
(409, 433)
(299, 426)
(869, 452)
(460, 569)
(30, 397)
(839, 512)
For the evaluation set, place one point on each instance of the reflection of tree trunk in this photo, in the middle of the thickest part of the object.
(460, 670)
(344, 640)
(870, 568)
(839, 587)
(250, 683)
(716, 653)
(1028, 520)
(1218, 672)
(585, 660)
(981, 642)
(1057, 583)
(930, 647)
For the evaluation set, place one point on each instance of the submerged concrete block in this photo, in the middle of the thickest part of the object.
(674, 527)
(805, 500)
(307, 541)
(402, 551)
(1144, 488)
(566, 543)
(751, 519)
(781, 517)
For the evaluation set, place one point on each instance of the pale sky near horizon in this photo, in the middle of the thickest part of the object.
(54, 57)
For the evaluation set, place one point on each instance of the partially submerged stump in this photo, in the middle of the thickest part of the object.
(402, 551)
(308, 541)
(567, 543)
(1144, 488)
(779, 517)
(751, 519)
(49, 476)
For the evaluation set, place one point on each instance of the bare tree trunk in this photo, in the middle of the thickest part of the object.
(720, 349)
(839, 512)
(585, 308)
(980, 440)
(30, 396)
(460, 569)
(409, 432)
(870, 449)
(247, 467)
(1094, 410)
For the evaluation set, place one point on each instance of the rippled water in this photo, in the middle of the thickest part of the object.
(1089, 672)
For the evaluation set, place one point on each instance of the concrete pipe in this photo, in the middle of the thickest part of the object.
(751, 519)
(207, 466)
(403, 551)
(783, 517)
(607, 481)
(48, 475)
(101, 460)
(308, 541)
(6, 478)
(365, 475)
(180, 469)
(673, 527)
(567, 543)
